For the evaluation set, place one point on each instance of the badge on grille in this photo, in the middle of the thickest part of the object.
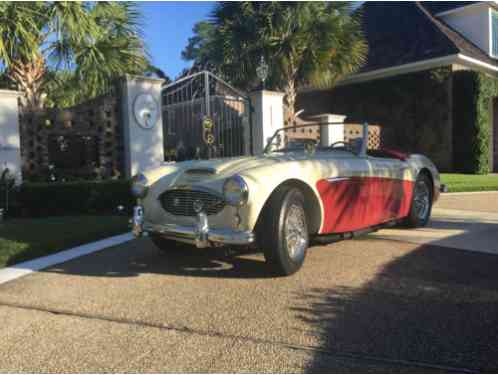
(198, 205)
(176, 202)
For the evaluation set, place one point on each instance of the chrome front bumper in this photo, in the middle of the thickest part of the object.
(200, 234)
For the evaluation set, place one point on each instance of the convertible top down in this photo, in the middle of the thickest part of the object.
(297, 190)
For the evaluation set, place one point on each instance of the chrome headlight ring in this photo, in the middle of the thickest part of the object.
(236, 191)
(139, 186)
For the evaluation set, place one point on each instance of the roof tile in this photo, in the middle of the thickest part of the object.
(405, 32)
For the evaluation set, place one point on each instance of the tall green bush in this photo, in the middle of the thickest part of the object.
(473, 93)
(70, 198)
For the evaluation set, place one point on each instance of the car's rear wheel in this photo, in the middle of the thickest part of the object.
(421, 205)
(283, 231)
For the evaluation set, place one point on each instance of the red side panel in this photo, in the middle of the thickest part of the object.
(360, 202)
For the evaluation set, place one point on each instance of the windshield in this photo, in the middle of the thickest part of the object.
(309, 138)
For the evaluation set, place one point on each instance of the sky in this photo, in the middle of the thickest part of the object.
(167, 27)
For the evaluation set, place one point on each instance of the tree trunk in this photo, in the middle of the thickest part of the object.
(29, 77)
(290, 102)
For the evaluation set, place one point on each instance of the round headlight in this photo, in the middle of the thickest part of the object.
(139, 186)
(235, 191)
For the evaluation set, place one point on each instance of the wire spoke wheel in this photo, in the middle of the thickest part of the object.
(296, 235)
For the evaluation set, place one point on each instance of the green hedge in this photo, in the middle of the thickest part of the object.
(412, 109)
(472, 96)
(69, 198)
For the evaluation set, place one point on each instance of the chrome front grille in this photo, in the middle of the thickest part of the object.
(181, 202)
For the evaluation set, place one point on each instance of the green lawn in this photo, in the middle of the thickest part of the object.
(457, 182)
(25, 239)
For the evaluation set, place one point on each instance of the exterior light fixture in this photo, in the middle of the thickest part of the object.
(262, 71)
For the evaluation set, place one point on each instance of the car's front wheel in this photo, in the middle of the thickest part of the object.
(283, 231)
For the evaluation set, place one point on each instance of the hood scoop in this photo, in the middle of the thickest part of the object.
(200, 171)
(191, 176)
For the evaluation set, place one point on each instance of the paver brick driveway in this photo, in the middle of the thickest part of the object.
(356, 306)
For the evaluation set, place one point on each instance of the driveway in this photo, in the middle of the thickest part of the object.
(366, 305)
(465, 221)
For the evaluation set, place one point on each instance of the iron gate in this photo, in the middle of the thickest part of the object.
(203, 117)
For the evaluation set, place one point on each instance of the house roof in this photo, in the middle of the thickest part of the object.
(436, 7)
(401, 33)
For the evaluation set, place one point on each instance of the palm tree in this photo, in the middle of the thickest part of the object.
(81, 43)
(305, 44)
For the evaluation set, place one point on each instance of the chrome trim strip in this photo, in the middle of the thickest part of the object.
(336, 179)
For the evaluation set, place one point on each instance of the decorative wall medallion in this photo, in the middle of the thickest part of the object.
(146, 110)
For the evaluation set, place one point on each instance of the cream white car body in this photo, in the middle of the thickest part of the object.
(263, 175)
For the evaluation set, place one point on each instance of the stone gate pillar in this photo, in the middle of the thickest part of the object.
(142, 123)
(268, 116)
(10, 150)
(334, 132)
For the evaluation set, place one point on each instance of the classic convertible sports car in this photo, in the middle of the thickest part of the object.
(297, 191)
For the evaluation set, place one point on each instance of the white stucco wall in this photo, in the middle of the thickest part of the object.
(143, 148)
(268, 117)
(473, 22)
(10, 152)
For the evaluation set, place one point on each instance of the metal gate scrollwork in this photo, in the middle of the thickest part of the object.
(204, 117)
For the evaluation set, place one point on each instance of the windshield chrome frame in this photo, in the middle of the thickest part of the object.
(267, 149)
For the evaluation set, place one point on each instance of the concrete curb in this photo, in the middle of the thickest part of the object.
(470, 193)
(24, 268)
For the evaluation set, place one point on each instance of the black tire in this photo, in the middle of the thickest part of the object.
(164, 245)
(415, 217)
(272, 228)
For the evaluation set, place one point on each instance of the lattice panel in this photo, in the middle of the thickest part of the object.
(352, 131)
(96, 123)
(309, 132)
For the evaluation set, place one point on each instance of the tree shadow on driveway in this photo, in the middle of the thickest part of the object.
(432, 307)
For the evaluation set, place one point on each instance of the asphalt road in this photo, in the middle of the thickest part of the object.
(368, 305)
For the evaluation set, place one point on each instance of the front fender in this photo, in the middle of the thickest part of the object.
(420, 162)
(262, 182)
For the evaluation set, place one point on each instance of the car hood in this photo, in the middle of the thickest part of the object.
(228, 166)
(192, 171)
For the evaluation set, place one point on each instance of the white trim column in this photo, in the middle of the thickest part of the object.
(334, 132)
(142, 123)
(268, 117)
(10, 144)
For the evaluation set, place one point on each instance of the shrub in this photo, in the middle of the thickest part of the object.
(8, 193)
(472, 95)
(69, 198)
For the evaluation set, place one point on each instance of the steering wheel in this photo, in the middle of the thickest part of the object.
(310, 146)
(341, 145)
(336, 144)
